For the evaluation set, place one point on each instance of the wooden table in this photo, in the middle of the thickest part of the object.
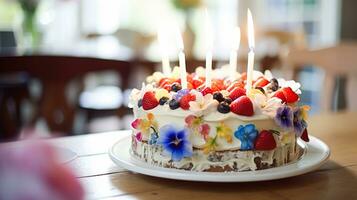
(337, 179)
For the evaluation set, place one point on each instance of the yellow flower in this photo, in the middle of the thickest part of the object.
(304, 111)
(146, 124)
(210, 145)
(224, 131)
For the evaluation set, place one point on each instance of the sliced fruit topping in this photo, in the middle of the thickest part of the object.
(206, 90)
(159, 93)
(290, 95)
(235, 84)
(265, 141)
(185, 100)
(196, 83)
(223, 107)
(261, 82)
(149, 101)
(236, 93)
(242, 106)
(280, 94)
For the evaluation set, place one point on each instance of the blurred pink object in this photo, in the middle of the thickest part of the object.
(31, 171)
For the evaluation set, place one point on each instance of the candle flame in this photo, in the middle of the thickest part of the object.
(236, 38)
(250, 30)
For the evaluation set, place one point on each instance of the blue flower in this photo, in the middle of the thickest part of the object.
(299, 123)
(175, 142)
(246, 134)
(153, 138)
(284, 117)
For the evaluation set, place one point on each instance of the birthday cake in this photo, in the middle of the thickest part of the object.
(221, 128)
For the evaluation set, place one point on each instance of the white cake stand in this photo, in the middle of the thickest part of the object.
(316, 153)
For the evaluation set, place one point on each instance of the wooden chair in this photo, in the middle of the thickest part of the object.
(339, 60)
(55, 72)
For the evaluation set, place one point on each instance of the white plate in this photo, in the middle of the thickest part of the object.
(317, 153)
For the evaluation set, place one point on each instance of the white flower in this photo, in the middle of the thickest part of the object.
(202, 103)
(295, 86)
(133, 97)
(268, 75)
(155, 77)
(200, 71)
(271, 107)
(265, 105)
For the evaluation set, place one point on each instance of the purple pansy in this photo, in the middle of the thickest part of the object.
(175, 142)
(284, 117)
(180, 94)
(299, 123)
(247, 135)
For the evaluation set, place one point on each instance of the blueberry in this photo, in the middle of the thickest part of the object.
(274, 84)
(163, 100)
(223, 107)
(174, 104)
(228, 100)
(218, 96)
(140, 103)
(176, 87)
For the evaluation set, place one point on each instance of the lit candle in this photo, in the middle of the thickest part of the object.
(209, 44)
(182, 61)
(164, 57)
(234, 53)
(251, 52)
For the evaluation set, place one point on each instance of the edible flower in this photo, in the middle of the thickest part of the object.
(175, 142)
(247, 135)
(196, 125)
(202, 103)
(211, 145)
(299, 123)
(224, 131)
(144, 125)
(284, 117)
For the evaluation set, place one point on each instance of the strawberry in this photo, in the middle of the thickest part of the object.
(235, 84)
(217, 85)
(185, 100)
(280, 94)
(206, 90)
(236, 92)
(265, 141)
(261, 82)
(242, 106)
(197, 83)
(305, 136)
(149, 101)
(290, 95)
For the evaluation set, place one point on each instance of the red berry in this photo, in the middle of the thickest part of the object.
(206, 90)
(265, 141)
(218, 85)
(167, 87)
(185, 100)
(290, 95)
(234, 85)
(261, 82)
(149, 101)
(280, 94)
(236, 93)
(305, 136)
(242, 106)
(197, 83)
